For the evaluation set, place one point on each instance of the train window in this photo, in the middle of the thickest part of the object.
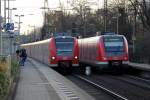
(64, 39)
(64, 46)
(113, 44)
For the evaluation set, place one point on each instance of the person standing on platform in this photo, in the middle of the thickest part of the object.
(23, 56)
(17, 54)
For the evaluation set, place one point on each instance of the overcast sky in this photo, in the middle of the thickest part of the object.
(27, 7)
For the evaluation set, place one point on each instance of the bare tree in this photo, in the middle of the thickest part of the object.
(82, 9)
(119, 18)
(142, 8)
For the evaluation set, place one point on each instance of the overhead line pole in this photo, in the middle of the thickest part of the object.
(8, 10)
(1, 37)
(4, 12)
(1, 31)
(0, 8)
(105, 15)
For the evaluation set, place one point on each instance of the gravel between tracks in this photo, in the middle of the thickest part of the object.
(91, 90)
(132, 92)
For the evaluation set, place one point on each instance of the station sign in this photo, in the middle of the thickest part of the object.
(9, 26)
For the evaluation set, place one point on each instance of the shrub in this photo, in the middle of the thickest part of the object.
(14, 67)
(5, 78)
(4, 84)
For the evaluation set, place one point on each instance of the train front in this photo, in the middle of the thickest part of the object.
(66, 51)
(115, 50)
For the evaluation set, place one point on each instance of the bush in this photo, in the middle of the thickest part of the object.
(14, 68)
(5, 79)
(4, 85)
(3, 64)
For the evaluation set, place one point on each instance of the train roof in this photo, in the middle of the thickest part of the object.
(44, 41)
(108, 33)
(96, 37)
(64, 37)
(38, 42)
(113, 35)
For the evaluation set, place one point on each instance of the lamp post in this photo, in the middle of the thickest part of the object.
(8, 10)
(32, 27)
(19, 16)
(117, 23)
(34, 30)
(10, 14)
(1, 37)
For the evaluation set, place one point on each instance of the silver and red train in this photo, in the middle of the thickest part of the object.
(103, 51)
(100, 51)
(56, 51)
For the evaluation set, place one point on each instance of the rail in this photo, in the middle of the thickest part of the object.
(103, 88)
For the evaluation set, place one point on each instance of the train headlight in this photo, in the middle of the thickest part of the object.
(53, 58)
(125, 58)
(76, 57)
(104, 58)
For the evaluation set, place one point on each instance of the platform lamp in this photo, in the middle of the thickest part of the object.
(19, 16)
(10, 14)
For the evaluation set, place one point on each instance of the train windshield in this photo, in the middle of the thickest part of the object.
(64, 46)
(114, 43)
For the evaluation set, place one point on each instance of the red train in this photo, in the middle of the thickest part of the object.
(103, 51)
(56, 51)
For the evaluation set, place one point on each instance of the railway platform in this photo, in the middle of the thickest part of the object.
(144, 67)
(39, 82)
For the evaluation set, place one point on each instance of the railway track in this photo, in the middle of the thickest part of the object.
(134, 80)
(139, 78)
(97, 91)
(115, 95)
(122, 87)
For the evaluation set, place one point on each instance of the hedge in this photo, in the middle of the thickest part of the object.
(6, 79)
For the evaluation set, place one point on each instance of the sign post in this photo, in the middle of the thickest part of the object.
(1, 44)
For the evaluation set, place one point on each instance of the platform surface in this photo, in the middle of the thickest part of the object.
(39, 82)
(145, 67)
